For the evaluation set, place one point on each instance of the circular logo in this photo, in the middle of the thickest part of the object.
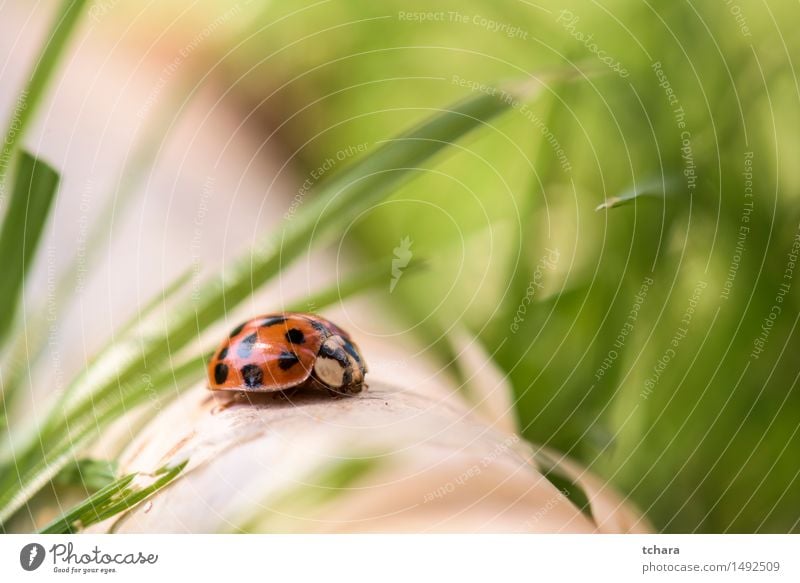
(31, 556)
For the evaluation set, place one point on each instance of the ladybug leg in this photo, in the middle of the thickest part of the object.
(348, 390)
(335, 394)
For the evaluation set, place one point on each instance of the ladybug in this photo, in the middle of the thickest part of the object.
(276, 352)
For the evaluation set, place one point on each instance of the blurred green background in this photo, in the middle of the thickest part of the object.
(636, 326)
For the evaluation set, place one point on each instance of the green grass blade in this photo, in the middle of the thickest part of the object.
(67, 523)
(120, 496)
(31, 96)
(655, 188)
(87, 473)
(34, 190)
(556, 475)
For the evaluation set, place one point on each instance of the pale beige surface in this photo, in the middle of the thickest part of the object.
(438, 469)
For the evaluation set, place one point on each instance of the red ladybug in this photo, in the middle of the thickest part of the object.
(276, 352)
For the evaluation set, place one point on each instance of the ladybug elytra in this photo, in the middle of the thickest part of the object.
(276, 352)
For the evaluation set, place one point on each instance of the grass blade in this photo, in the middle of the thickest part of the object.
(87, 473)
(655, 188)
(35, 188)
(120, 496)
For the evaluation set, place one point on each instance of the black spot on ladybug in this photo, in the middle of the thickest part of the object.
(220, 373)
(295, 336)
(236, 330)
(351, 350)
(253, 375)
(273, 321)
(222, 353)
(287, 360)
(246, 345)
(336, 354)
